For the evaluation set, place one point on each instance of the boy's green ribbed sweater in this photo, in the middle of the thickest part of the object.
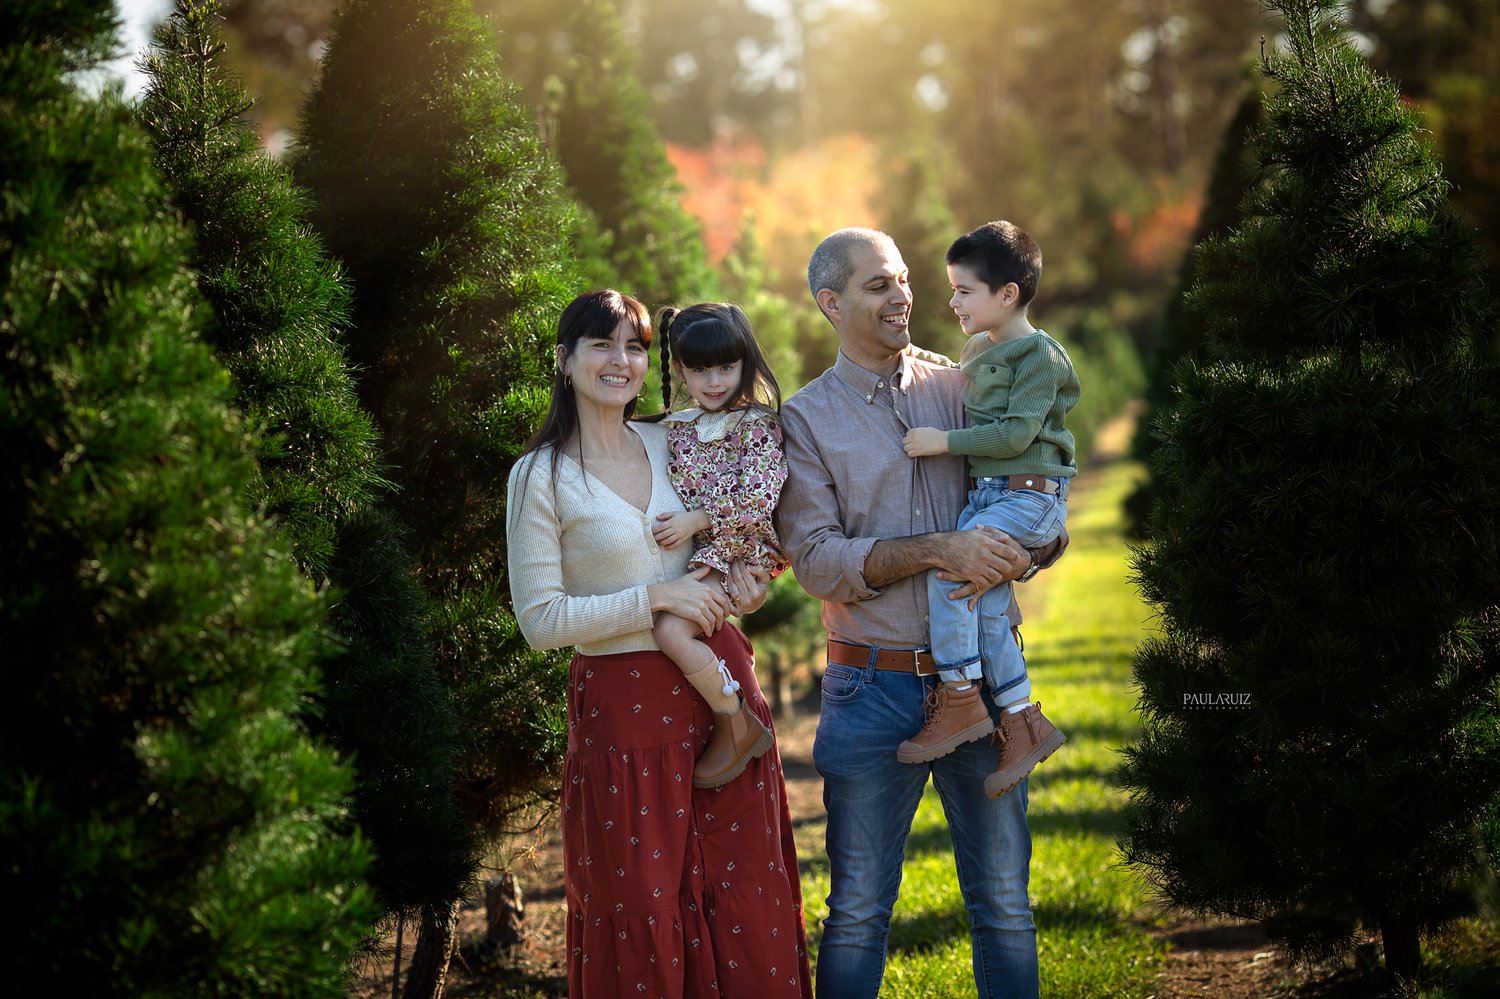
(1017, 394)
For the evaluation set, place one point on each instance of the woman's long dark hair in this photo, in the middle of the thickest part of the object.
(591, 316)
(710, 333)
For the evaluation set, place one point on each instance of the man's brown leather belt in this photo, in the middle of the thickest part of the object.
(918, 661)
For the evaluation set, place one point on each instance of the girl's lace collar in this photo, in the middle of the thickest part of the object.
(717, 425)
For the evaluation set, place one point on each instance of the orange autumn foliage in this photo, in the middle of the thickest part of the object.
(796, 200)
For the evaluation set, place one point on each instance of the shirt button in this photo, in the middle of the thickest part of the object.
(870, 397)
(880, 384)
(919, 513)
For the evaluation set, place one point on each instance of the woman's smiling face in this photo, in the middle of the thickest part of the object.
(609, 372)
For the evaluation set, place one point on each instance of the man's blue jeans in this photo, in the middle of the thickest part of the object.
(871, 799)
(965, 640)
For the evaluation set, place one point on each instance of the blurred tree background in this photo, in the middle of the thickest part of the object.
(1094, 127)
(280, 311)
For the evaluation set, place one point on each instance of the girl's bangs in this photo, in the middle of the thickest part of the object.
(705, 343)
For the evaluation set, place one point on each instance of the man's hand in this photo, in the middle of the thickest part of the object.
(678, 527)
(922, 441)
(981, 558)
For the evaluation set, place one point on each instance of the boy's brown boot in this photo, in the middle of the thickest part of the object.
(1026, 738)
(954, 717)
(736, 740)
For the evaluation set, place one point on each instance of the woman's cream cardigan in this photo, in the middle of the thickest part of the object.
(580, 558)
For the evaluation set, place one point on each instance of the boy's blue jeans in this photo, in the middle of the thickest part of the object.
(871, 798)
(967, 644)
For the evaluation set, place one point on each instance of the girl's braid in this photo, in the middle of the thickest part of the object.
(664, 326)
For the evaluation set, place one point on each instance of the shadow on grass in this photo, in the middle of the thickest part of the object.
(1058, 773)
(798, 768)
(1096, 536)
(812, 862)
(935, 840)
(918, 933)
(1111, 733)
(1084, 659)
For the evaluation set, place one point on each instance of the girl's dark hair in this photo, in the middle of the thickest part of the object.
(591, 316)
(710, 333)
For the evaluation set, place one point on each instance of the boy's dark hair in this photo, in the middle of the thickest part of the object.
(999, 253)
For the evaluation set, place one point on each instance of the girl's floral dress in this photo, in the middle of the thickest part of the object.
(730, 464)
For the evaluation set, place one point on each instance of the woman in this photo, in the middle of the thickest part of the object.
(672, 891)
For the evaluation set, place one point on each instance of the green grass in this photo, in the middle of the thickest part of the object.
(1083, 621)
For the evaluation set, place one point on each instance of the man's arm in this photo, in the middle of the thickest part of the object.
(833, 566)
(982, 558)
(1044, 556)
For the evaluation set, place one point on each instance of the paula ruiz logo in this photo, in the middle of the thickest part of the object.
(1216, 701)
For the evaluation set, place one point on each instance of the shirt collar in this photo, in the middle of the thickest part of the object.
(866, 382)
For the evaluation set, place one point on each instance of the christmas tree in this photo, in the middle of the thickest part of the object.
(170, 828)
(279, 309)
(1321, 745)
(432, 185)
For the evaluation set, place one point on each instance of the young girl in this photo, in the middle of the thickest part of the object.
(728, 468)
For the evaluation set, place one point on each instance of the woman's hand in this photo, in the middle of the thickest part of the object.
(688, 597)
(747, 588)
(678, 527)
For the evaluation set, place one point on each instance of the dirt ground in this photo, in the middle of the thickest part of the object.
(1225, 960)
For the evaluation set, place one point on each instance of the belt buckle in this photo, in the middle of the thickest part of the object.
(916, 661)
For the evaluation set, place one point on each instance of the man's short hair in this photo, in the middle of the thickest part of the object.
(999, 253)
(831, 264)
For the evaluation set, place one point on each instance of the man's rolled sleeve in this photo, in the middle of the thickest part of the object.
(832, 567)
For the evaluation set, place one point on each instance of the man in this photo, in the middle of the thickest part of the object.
(863, 523)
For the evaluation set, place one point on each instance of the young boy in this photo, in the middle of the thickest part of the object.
(1019, 385)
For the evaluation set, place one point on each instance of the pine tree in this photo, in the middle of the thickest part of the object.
(169, 827)
(279, 308)
(1327, 545)
(581, 75)
(431, 184)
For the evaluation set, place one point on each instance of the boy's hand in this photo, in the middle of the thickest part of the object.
(678, 527)
(922, 441)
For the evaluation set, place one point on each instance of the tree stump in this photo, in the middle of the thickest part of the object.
(505, 911)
